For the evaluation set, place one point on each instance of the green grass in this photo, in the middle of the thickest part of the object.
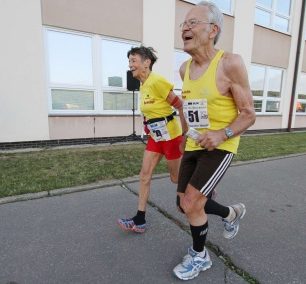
(51, 169)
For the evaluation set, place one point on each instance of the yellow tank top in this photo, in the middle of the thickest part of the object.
(205, 108)
(153, 103)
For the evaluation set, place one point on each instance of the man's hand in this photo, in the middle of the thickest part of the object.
(212, 139)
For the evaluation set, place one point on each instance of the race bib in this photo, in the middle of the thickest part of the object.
(196, 114)
(159, 131)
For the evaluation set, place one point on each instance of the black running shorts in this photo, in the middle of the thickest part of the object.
(203, 169)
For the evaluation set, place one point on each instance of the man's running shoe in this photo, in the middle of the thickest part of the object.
(231, 227)
(192, 264)
(129, 225)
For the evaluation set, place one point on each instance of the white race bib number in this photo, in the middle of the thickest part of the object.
(196, 114)
(159, 131)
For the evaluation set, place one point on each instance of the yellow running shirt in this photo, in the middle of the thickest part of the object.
(205, 108)
(154, 93)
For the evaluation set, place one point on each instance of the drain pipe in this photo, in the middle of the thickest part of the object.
(296, 67)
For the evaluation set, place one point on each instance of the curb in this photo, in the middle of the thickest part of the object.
(109, 183)
(68, 190)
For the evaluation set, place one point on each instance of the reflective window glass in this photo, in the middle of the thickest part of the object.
(274, 82)
(301, 94)
(301, 107)
(262, 17)
(257, 105)
(119, 101)
(69, 58)
(72, 99)
(281, 24)
(272, 106)
(114, 63)
(223, 5)
(302, 86)
(283, 7)
(257, 78)
(274, 14)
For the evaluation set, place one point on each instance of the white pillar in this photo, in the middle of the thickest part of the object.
(158, 32)
(23, 98)
(244, 29)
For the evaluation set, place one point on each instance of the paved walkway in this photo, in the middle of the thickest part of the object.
(73, 238)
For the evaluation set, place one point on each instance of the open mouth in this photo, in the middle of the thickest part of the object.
(187, 38)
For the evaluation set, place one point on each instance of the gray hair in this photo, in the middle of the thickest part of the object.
(215, 16)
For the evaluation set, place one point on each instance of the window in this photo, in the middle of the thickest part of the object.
(179, 58)
(266, 85)
(114, 66)
(87, 73)
(273, 14)
(226, 6)
(70, 71)
(301, 95)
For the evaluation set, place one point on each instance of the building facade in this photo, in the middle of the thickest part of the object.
(63, 63)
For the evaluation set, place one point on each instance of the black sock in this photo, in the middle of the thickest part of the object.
(139, 219)
(199, 234)
(213, 207)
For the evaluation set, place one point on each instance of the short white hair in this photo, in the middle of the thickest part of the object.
(215, 16)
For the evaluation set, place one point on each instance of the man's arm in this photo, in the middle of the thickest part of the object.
(235, 70)
(236, 74)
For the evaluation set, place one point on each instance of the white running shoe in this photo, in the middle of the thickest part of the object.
(192, 265)
(231, 228)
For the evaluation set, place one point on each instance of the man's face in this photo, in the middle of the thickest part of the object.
(197, 29)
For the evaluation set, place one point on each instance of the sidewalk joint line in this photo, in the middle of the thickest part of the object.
(212, 247)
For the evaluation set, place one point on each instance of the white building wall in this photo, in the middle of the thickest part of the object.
(23, 100)
(244, 29)
(158, 32)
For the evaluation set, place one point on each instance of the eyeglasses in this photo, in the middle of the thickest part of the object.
(192, 23)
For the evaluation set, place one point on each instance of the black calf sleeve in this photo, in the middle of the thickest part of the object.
(199, 234)
(213, 207)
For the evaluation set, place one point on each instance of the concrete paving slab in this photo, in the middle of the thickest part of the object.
(74, 239)
(271, 244)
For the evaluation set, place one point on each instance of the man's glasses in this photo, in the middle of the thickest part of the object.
(192, 23)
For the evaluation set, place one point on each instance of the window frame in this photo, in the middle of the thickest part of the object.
(264, 98)
(275, 14)
(97, 72)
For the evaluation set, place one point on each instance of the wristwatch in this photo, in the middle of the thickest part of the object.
(228, 132)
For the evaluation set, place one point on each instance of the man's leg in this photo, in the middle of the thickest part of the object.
(215, 165)
(197, 259)
(215, 208)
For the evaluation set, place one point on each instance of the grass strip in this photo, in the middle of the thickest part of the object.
(49, 169)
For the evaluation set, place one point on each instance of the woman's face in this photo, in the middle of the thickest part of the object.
(137, 65)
